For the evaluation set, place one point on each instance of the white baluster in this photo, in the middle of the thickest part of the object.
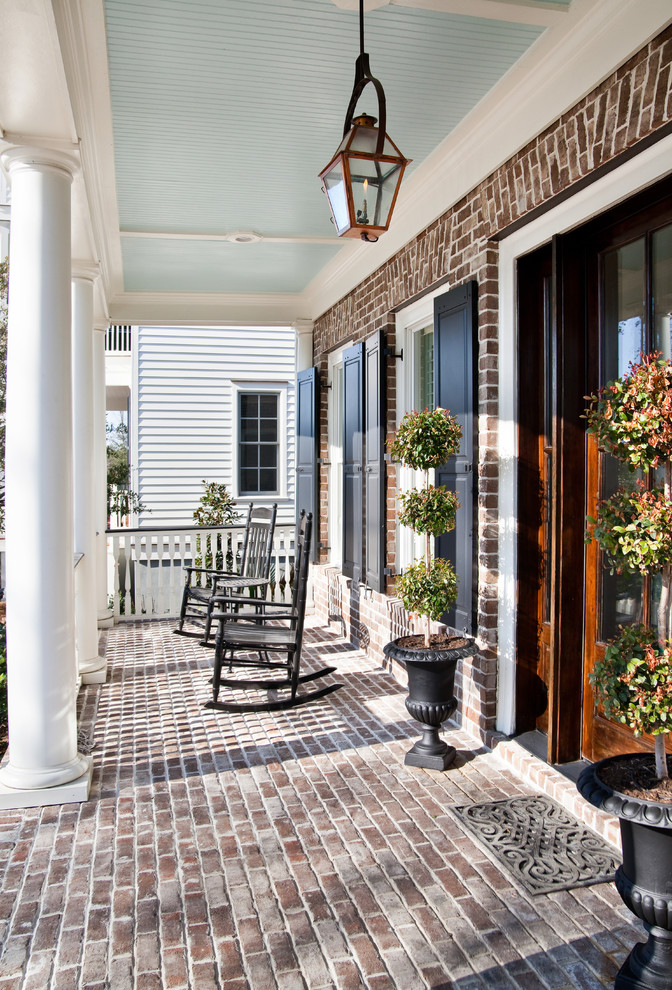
(116, 549)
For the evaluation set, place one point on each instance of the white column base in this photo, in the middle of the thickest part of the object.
(18, 778)
(106, 619)
(93, 671)
(74, 791)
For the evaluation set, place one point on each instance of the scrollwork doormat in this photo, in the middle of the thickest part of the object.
(540, 843)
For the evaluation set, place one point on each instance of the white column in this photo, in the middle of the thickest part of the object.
(100, 466)
(92, 667)
(304, 344)
(44, 764)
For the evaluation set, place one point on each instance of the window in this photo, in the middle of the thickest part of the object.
(416, 390)
(439, 335)
(336, 459)
(258, 430)
(423, 368)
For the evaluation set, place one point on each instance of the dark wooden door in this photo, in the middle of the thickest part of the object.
(551, 495)
(629, 306)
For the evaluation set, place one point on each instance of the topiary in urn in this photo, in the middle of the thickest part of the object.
(428, 587)
(631, 418)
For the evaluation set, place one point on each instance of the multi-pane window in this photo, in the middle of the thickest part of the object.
(423, 368)
(258, 443)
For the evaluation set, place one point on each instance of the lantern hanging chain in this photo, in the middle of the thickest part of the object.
(361, 27)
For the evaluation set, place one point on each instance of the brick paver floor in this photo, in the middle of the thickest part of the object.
(292, 850)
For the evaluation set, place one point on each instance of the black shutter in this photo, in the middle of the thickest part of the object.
(455, 324)
(353, 415)
(307, 438)
(374, 475)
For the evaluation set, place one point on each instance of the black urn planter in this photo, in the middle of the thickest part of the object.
(430, 701)
(644, 881)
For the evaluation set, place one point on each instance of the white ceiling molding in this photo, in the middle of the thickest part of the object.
(515, 11)
(354, 4)
(234, 237)
(567, 62)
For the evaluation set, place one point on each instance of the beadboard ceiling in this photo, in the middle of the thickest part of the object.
(224, 112)
(191, 121)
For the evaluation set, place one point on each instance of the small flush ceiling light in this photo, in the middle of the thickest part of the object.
(363, 178)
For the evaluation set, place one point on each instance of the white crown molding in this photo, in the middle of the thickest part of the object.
(565, 64)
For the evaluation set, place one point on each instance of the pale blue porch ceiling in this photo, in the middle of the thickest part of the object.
(205, 266)
(224, 112)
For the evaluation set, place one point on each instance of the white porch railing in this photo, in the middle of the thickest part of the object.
(146, 566)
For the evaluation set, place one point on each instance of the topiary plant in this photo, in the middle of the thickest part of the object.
(216, 507)
(631, 418)
(425, 440)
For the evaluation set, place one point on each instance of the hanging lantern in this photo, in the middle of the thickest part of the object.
(363, 178)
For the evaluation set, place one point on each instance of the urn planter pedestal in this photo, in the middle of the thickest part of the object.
(644, 881)
(430, 701)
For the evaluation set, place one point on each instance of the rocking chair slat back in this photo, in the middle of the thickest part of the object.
(257, 632)
(255, 565)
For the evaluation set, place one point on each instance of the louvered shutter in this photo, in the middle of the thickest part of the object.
(374, 475)
(353, 449)
(307, 438)
(455, 323)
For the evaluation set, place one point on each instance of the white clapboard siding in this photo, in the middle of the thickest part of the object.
(184, 419)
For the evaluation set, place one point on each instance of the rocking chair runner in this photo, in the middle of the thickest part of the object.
(198, 601)
(256, 631)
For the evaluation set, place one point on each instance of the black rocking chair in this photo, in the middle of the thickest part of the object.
(198, 601)
(264, 642)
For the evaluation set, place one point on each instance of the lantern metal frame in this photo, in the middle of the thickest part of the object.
(364, 76)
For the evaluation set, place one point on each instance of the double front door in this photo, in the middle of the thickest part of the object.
(589, 304)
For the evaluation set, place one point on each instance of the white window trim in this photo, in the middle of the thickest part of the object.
(335, 486)
(643, 170)
(238, 388)
(409, 321)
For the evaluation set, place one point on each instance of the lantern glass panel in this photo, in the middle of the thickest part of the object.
(338, 197)
(373, 188)
(365, 140)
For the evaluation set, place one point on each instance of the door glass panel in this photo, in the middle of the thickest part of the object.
(623, 329)
(624, 301)
(661, 251)
(621, 596)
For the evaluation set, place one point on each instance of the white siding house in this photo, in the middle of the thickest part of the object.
(211, 403)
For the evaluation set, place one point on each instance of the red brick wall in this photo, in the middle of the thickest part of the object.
(633, 103)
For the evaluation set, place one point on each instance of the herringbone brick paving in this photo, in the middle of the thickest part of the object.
(289, 851)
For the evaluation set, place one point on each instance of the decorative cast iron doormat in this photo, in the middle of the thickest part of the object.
(540, 843)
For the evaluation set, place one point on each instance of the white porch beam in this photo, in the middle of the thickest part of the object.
(92, 667)
(44, 766)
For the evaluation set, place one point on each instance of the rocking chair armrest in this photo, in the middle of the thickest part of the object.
(190, 569)
(246, 600)
(250, 616)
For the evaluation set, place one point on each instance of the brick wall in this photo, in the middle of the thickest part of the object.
(628, 107)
